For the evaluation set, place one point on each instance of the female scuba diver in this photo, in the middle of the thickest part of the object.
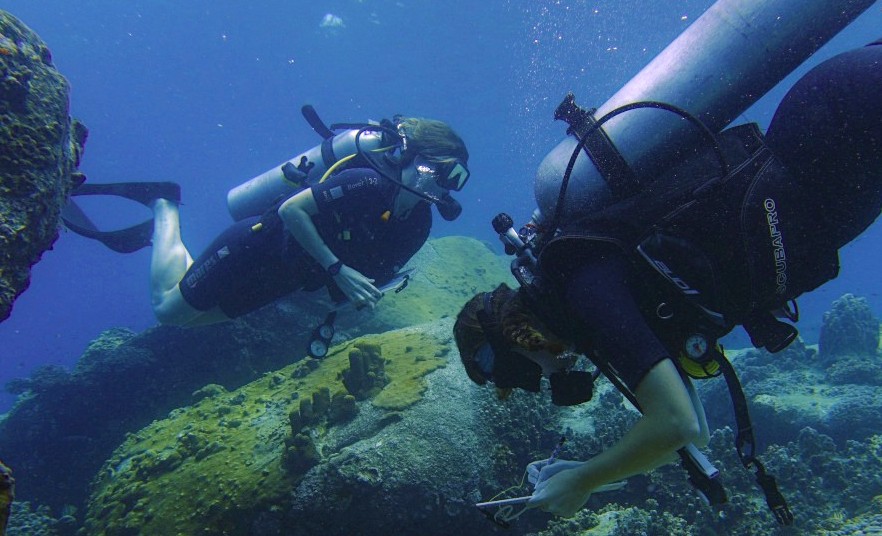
(637, 301)
(348, 231)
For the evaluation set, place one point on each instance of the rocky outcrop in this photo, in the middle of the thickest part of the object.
(837, 392)
(7, 495)
(849, 328)
(239, 463)
(229, 429)
(66, 423)
(40, 149)
(413, 458)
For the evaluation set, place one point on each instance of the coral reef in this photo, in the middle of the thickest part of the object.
(214, 465)
(827, 488)
(271, 458)
(381, 437)
(366, 375)
(449, 271)
(40, 150)
(797, 388)
(849, 328)
(66, 424)
(28, 520)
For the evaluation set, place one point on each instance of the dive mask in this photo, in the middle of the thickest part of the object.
(508, 369)
(496, 361)
(449, 173)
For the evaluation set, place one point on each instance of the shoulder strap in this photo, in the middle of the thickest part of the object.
(622, 180)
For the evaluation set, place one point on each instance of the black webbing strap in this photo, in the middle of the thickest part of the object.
(619, 176)
(328, 156)
(316, 122)
(745, 444)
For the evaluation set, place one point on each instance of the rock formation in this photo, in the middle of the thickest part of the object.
(40, 150)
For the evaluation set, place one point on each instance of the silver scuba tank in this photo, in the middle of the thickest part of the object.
(255, 196)
(716, 69)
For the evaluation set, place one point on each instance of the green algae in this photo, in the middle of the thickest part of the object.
(412, 361)
(205, 467)
(449, 271)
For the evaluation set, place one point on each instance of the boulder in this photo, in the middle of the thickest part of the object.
(40, 150)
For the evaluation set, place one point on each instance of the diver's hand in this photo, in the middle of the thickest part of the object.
(559, 488)
(357, 288)
(535, 473)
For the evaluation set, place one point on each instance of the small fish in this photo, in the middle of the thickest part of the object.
(7, 494)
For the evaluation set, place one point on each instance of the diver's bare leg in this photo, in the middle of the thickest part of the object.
(168, 265)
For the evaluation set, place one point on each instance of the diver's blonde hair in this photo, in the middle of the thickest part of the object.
(432, 138)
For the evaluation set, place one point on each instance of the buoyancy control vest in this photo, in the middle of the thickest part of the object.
(715, 250)
(344, 146)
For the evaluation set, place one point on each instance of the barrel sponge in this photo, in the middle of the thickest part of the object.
(366, 375)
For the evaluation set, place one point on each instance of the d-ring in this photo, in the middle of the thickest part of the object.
(660, 311)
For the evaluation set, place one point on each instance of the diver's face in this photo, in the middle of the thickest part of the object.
(423, 179)
(420, 180)
(549, 362)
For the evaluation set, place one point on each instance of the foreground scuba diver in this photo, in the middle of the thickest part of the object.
(346, 230)
(645, 287)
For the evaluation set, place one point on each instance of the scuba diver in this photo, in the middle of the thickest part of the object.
(347, 214)
(644, 286)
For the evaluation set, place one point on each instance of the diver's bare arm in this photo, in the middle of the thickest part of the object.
(296, 214)
(669, 422)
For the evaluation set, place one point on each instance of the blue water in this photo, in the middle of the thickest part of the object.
(207, 93)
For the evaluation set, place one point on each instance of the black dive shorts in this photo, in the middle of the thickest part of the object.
(249, 265)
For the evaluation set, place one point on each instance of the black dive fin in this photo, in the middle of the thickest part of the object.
(142, 192)
(123, 241)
